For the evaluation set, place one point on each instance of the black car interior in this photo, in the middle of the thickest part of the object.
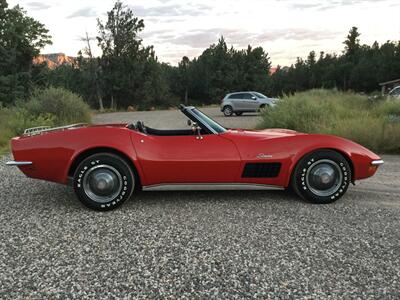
(139, 126)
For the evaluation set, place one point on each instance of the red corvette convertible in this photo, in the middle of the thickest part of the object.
(107, 163)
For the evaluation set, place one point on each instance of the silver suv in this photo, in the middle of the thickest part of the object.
(240, 102)
(395, 93)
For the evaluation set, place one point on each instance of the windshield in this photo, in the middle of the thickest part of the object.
(395, 91)
(208, 121)
(260, 95)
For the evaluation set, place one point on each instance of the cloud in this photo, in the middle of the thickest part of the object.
(171, 10)
(240, 38)
(341, 3)
(202, 38)
(195, 39)
(304, 5)
(85, 12)
(297, 34)
(199, 38)
(38, 5)
(326, 5)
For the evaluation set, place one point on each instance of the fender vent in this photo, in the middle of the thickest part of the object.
(261, 170)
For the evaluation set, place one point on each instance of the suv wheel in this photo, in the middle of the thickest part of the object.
(228, 111)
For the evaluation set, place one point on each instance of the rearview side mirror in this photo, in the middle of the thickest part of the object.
(254, 97)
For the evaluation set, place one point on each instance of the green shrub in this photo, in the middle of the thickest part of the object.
(373, 124)
(13, 122)
(65, 106)
(50, 107)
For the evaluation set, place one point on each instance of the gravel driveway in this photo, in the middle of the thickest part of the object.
(200, 244)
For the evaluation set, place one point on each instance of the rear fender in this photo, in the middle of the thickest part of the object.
(52, 154)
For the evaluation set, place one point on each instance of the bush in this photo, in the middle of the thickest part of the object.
(50, 107)
(65, 106)
(373, 124)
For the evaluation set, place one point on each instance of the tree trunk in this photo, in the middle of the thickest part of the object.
(186, 97)
(99, 98)
(112, 102)
(101, 106)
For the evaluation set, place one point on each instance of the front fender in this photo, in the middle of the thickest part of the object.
(359, 157)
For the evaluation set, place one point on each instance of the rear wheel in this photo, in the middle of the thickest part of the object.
(238, 113)
(103, 181)
(321, 177)
(228, 111)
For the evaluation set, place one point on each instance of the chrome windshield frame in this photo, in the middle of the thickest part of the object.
(188, 111)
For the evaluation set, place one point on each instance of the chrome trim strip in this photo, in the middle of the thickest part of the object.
(210, 187)
(18, 163)
(377, 162)
(39, 130)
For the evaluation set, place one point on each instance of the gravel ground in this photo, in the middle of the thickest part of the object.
(200, 244)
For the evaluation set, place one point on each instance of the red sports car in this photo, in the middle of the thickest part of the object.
(107, 163)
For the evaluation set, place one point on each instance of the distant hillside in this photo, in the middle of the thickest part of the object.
(54, 60)
(272, 70)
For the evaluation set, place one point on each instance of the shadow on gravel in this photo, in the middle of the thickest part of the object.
(187, 197)
(44, 195)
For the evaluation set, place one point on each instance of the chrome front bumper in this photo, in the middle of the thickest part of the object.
(18, 163)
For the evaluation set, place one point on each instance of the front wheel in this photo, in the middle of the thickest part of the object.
(322, 177)
(103, 181)
(228, 111)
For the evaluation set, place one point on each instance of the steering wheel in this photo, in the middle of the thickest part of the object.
(140, 126)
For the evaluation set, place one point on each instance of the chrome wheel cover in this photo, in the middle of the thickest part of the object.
(228, 110)
(102, 183)
(324, 177)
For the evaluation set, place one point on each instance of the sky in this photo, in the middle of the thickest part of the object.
(286, 29)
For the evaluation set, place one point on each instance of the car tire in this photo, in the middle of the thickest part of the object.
(321, 177)
(228, 111)
(238, 113)
(103, 181)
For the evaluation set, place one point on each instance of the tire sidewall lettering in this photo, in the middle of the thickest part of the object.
(303, 174)
(83, 169)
